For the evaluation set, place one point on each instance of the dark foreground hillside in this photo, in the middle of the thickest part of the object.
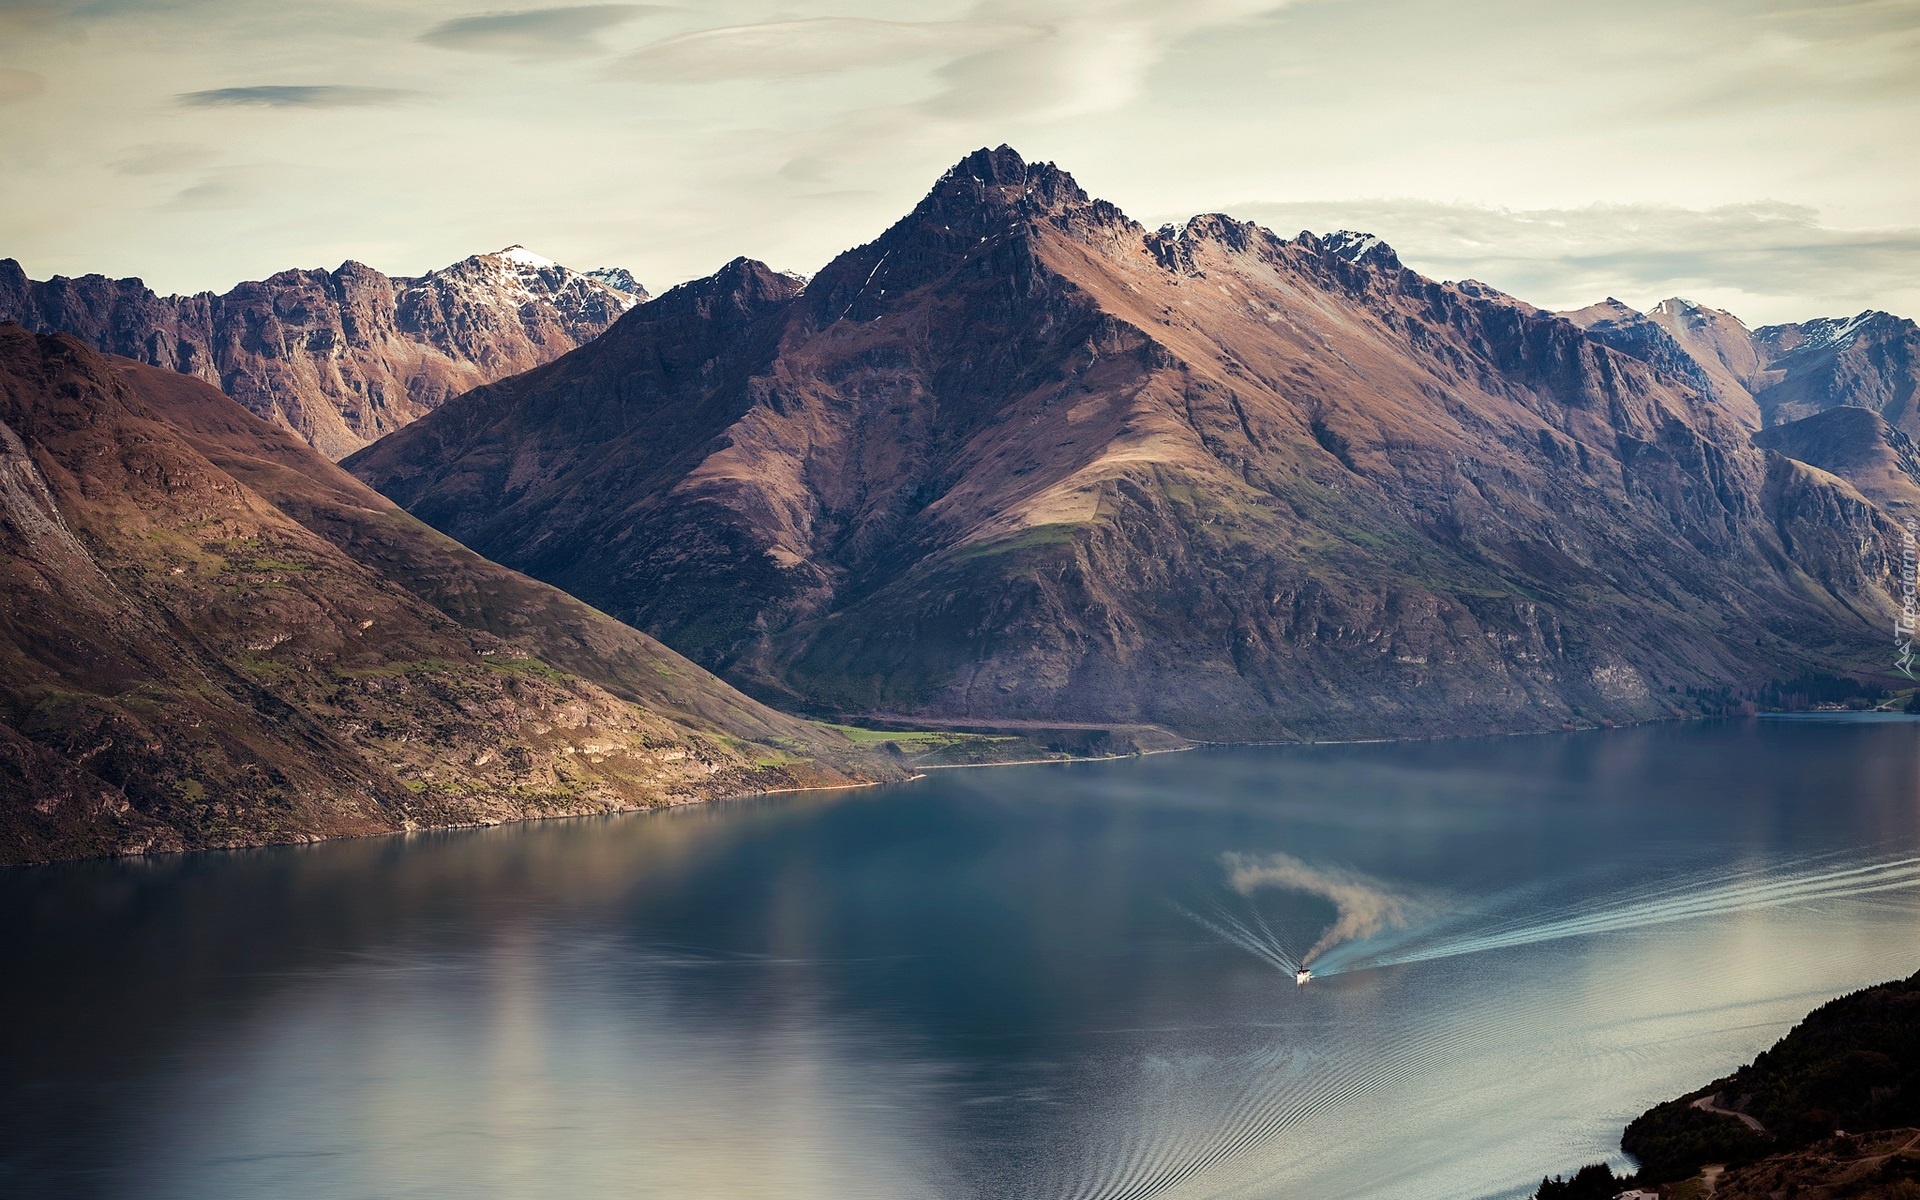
(211, 636)
(1831, 1111)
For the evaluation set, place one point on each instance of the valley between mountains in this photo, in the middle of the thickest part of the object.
(1017, 461)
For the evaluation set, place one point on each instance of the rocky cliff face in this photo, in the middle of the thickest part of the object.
(342, 357)
(211, 636)
(1778, 373)
(1021, 458)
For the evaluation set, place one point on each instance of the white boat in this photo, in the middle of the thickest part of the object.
(1301, 976)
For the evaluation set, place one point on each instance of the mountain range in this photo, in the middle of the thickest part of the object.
(1019, 463)
(339, 357)
(210, 635)
(1777, 374)
(1020, 457)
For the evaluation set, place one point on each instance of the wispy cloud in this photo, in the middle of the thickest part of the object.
(16, 85)
(538, 32)
(1093, 56)
(162, 158)
(821, 45)
(312, 95)
(230, 188)
(1764, 260)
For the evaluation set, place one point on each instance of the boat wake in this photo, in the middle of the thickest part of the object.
(1696, 899)
(1190, 1118)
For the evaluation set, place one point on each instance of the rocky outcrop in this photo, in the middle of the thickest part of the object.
(1021, 458)
(211, 636)
(339, 357)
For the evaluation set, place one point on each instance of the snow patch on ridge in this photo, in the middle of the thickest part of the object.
(521, 256)
(1826, 333)
(1357, 247)
(1348, 243)
(620, 280)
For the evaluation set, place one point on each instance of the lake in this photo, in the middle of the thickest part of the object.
(1060, 981)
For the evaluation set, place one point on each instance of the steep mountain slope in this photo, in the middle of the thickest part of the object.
(1777, 373)
(1709, 346)
(1020, 457)
(1859, 447)
(339, 357)
(209, 635)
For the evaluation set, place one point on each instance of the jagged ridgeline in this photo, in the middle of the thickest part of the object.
(212, 636)
(1775, 375)
(339, 357)
(1020, 457)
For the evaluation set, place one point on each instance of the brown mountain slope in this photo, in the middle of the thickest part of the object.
(1020, 457)
(209, 636)
(1709, 346)
(1859, 447)
(338, 357)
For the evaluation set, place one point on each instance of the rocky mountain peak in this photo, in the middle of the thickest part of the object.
(1677, 310)
(521, 256)
(745, 286)
(1363, 248)
(620, 280)
(1019, 458)
(1001, 178)
(993, 192)
(983, 206)
(1827, 333)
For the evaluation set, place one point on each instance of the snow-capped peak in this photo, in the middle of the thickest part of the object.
(1675, 306)
(619, 279)
(1358, 247)
(1348, 243)
(1824, 332)
(521, 256)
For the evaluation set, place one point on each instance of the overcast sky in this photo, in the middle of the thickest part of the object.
(1756, 156)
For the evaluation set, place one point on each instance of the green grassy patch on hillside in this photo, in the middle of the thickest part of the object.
(1031, 538)
(524, 666)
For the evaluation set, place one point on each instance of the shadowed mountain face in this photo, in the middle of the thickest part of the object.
(210, 636)
(1778, 373)
(339, 357)
(1020, 457)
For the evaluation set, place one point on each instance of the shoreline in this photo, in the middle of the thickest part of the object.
(920, 772)
(1088, 758)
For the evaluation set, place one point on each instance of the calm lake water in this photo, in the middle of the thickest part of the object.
(984, 984)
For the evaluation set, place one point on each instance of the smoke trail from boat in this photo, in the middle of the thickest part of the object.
(1363, 907)
(1722, 896)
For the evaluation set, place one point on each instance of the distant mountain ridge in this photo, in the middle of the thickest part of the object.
(1020, 457)
(1775, 374)
(339, 357)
